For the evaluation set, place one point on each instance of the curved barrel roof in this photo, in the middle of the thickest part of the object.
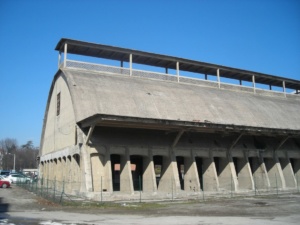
(96, 94)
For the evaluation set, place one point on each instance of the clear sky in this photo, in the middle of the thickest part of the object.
(258, 35)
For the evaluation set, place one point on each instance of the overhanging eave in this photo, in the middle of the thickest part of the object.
(171, 125)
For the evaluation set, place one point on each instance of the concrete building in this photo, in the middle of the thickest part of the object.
(141, 121)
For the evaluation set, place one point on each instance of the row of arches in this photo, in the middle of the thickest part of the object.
(63, 173)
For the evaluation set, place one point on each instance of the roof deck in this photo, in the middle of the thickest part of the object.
(132, 57)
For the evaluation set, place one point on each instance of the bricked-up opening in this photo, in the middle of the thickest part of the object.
(58, 104)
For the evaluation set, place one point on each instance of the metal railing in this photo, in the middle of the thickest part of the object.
(72, 64)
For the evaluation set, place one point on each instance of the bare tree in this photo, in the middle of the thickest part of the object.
(25, 156)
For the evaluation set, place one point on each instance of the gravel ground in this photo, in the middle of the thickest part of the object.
(26, 208)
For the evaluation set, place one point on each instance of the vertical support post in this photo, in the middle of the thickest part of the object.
(276, 184)
(130, 65)
(202, 181)
(231, 181)
(65, 54)
(218, 77)
(283, 86)
(59, 58)
(205, 76)
(253, 83)
(140, 187)
(167, 70)
(54, 189)
(172, 188)
(101, 189)
(270, 86)
(177, 71)
(241, 83)
(121, 63)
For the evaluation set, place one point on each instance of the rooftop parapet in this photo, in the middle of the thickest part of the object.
(179, 65)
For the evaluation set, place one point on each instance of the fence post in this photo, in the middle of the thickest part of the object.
(101, 189)
(54, 189)
(276, 184)
(298, 183)
(47, 187)
(202, 182)
(231, 185)
(254, 180)
(42, 185)
(172, 188)
(140, 187)
(63, 189)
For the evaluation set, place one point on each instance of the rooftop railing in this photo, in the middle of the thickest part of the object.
(72, 64)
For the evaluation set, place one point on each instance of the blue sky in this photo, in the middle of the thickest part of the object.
(258, 35)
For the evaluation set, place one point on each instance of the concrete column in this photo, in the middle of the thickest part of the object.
(177, 71)
(41, 169)
(210, 178)
(287, 170)
(65, 54)
(191, 176)
(130, 64)
(64, 172)
(86, 182)
(149, 179)
(169, 181)
(259, 173)
(227, 175)
(76, 172)
(218, 78)
(274, 173)
(283, 86)
(253, 83)
(126, 184)
(50, 173)
(59, 174)
(97, 171)
(69, 177)
(244, 175)
(107, 180)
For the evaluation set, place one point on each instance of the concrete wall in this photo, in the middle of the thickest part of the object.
(120, 160)
(59, 130)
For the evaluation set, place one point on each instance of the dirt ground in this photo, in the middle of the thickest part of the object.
(26, 208)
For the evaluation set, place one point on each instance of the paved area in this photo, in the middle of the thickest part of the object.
(26, 208)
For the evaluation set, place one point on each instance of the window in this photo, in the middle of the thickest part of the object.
(58, 104)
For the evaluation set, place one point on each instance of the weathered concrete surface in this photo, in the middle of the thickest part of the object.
(96, 93)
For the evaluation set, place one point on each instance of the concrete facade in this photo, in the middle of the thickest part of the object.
(114, 134)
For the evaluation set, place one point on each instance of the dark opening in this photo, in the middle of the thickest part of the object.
(115, 170)
(236, 165)
(217, 164)
(258, 143)
(180, 167)
(136, 162)
(199, 164)
(58, 104)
